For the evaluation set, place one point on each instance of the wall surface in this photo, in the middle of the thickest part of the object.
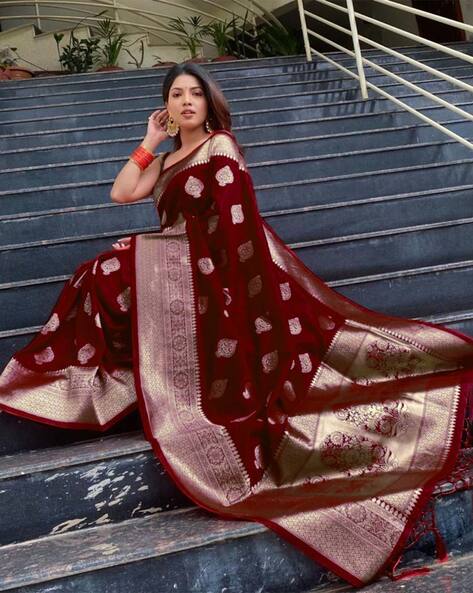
(467, 10)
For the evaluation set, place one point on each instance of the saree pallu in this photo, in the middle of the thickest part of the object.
(265, 394)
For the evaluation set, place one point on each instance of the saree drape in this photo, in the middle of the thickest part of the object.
(266, 395)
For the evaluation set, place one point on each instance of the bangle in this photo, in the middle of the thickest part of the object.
(142, 157)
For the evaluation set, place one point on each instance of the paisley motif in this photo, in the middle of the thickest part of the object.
(255, 285)
(85, 353)
(226, 348)
(46, 355)
(237, 214)
(124, 299)
(51, 325)
(306, 363)
(194, 186)
(88, 304)
(224, 176)
(110, 265)
(295, 325)
(245, 250)
(285, 291)
(217, 388)
(262, 325)
(206, 265)
(269, 361)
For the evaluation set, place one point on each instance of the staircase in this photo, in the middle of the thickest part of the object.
(375, 202)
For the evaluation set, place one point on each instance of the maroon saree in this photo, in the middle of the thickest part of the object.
(265, 394)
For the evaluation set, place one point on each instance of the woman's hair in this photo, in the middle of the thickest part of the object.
(218, 111)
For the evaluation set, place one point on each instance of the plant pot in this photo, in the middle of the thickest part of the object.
(224, 58)
(109, 68)
(14, 73)
(196, 60)
(163, 64)
(40, 73)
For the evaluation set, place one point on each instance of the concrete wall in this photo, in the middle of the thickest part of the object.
(467, 10)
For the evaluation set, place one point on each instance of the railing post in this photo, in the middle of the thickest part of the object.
(38, 20)
(356, 48)
(116, 16)
(305, 36)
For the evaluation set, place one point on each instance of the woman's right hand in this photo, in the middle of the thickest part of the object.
(123, 243)
(157, 123)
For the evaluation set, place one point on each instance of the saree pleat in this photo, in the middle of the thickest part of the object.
(265, 394)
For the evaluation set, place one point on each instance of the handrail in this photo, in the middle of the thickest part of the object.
(438, 46)
(353, 33)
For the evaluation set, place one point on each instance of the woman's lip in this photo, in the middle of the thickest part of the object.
(189, 113)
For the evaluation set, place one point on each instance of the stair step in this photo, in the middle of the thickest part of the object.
(294, 168)
(297, 224)
(237, 69)
(335, 88)
(73, 111)
(454, 574)
(166, 552)
(315, 145)
(111, 480)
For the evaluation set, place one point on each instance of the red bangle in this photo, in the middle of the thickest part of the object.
(142, 157)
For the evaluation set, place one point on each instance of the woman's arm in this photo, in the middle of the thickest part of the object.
(132, 183)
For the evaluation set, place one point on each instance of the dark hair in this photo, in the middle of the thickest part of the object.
(218, 115)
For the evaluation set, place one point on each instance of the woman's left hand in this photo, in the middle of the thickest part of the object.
(123, 243)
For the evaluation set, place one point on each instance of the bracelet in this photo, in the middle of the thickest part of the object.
(142, 157)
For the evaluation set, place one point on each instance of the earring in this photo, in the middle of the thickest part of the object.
(172, 127)
(207, 126)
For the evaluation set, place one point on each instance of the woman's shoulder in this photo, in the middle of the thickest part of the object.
(224, 143)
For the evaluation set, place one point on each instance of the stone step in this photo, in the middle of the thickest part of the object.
(264, 148)
(240, 68)
(245, 88)
(71, 113)
(297, 163)
(85, 485)
(167, 550)
(297, 224)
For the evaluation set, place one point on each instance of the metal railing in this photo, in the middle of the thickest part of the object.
(352, 32)
(121, 13)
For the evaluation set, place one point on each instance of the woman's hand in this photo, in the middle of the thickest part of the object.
(123, 243)
(157, 123)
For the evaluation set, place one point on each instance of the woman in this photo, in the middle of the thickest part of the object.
(265, 394)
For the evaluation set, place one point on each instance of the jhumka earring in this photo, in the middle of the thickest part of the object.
(172, 127)
(207, 126)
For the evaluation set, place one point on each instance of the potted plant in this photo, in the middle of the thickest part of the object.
(192, 39)
(137, 62)
(276, 40)
(161, 64)
(9, 69)
(79, 54)
(244, 39)
(110, 50)
(219, 32)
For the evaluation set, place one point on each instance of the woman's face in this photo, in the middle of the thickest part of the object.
(186, 93)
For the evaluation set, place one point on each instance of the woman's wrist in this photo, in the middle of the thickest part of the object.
(149, 144)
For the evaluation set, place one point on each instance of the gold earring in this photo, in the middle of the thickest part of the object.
(207, 126)
(172, 127)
